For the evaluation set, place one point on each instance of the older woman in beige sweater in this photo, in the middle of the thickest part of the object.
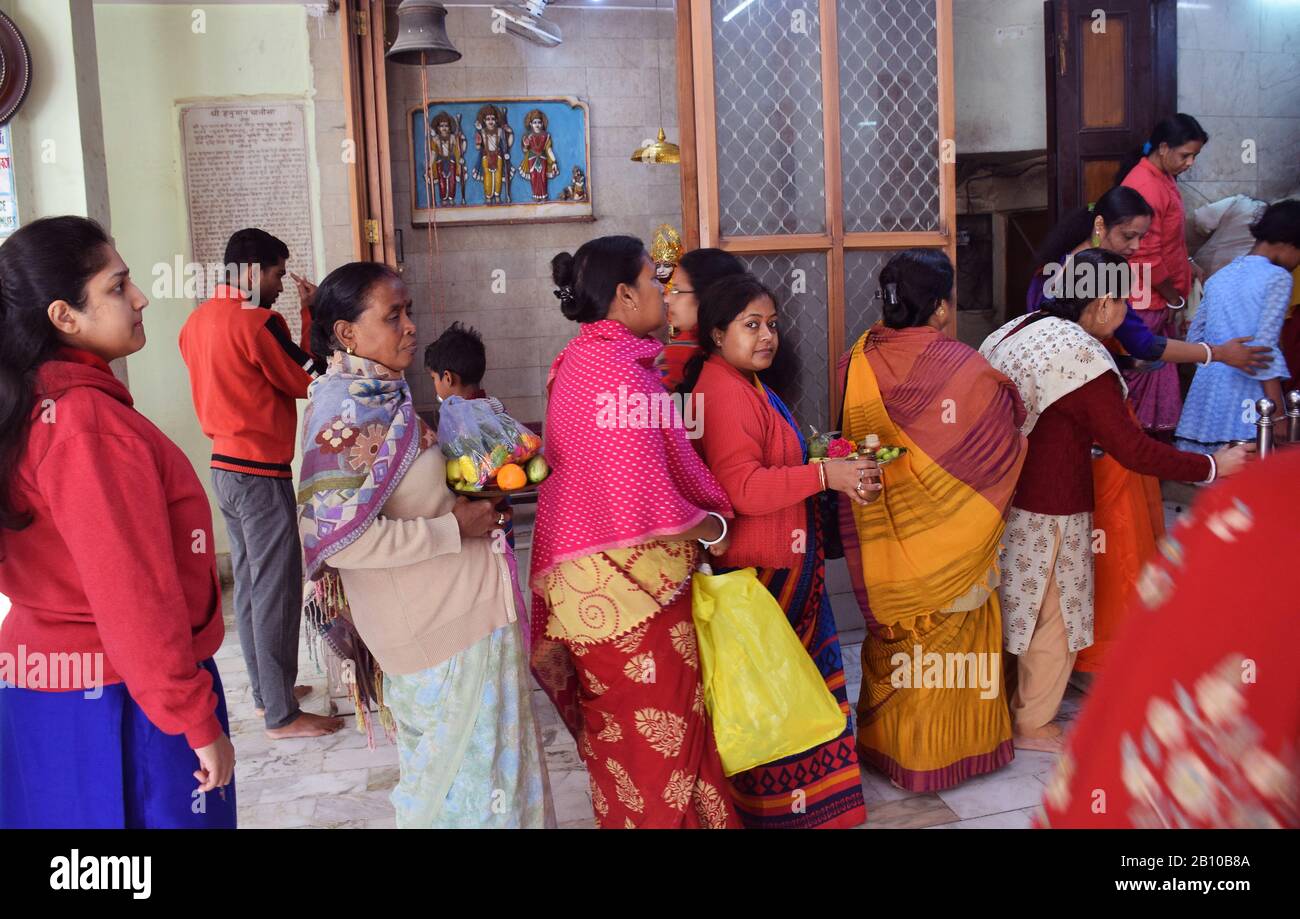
(419, 572)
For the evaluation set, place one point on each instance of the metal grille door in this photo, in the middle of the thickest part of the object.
(822, 145)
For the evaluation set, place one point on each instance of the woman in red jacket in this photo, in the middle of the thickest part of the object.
(1164, 280)
(752, 445)
(111, 708)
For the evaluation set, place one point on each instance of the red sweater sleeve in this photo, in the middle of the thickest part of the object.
(106, 498)
(1101, 403)
(304, 323)
(733, 451)
(277, 355)
(1151, 249)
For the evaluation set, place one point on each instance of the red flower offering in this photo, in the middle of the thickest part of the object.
(839, 447)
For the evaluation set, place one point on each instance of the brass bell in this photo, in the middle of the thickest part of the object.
(422, 35)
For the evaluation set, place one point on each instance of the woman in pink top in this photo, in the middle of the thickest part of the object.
(1166, 272)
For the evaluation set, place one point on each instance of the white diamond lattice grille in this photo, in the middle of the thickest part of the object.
(768, 95)
(799, 282)
(889, 132)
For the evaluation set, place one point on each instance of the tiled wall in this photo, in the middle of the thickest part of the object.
(1239, 74)
(610, 58)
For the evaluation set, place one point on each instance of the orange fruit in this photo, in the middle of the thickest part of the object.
(511, 476)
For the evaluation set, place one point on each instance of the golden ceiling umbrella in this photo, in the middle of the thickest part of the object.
(661, 151)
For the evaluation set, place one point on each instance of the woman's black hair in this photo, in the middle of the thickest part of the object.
(720, 304)
(1280, 223)
(706, 266)
(586, 280)
(1117, 206)
(46, 260)
(342, 295)
(912, 285)
(1176, 131)
(1083, 278)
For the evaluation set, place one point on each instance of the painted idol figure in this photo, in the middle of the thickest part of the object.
(539, 165)
(493, 138)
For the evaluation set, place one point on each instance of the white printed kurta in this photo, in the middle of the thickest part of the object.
(1033, 546)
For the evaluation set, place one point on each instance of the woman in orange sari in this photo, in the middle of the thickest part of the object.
(923, 558)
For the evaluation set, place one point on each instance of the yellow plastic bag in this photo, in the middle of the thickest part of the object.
(764, 693)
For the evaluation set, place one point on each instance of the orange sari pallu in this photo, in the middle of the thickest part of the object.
(1130, 512)
(923, 558)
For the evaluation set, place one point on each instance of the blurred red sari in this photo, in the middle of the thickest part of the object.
(1195, 721)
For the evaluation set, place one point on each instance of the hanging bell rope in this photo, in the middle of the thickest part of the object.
(422, 41)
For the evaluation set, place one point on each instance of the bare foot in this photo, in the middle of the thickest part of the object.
(1047, 739)
(306, 725)
(299, 693)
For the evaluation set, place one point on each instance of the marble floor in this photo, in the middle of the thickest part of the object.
(337, 782)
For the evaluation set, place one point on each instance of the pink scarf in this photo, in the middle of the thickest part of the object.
(617, 480)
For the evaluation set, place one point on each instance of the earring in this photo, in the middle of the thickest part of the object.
(350, 351)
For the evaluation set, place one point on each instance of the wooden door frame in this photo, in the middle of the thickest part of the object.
(370, 180)
(701, 208)
(1059, 52)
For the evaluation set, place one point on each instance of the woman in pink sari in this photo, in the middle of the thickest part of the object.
(619, 523)
(1164, 278)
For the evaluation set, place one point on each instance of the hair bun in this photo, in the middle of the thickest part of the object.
(562, 270)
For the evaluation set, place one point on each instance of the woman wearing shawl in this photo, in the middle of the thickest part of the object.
(752, 444)
(923, 561)
(416, 571)
(1073, 397)
(1129, 507)
(1183, 729)
(614, 548)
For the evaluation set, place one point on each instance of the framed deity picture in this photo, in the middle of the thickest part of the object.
(505, 160)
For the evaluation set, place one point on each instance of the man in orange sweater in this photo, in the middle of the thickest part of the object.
(246, 374)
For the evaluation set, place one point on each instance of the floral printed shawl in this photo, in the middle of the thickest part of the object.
(1047, 358)
(360, 435)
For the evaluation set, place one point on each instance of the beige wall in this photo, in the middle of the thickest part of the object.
(1000, 75)
(610, 59)
(150, 59)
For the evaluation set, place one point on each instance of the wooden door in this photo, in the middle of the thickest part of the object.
(822, 144)
(1112, 72)
(370, 182)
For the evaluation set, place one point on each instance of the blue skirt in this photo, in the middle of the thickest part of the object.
(71, 762)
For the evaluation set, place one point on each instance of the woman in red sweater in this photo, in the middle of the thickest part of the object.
(752, 445)
(1073, 397)
(1165, 279)
(111, 709)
